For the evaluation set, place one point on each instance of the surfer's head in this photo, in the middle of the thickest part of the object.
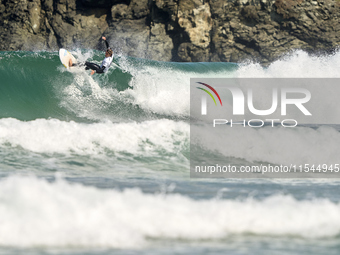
(108, 53)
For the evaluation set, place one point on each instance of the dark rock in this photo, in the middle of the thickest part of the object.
(185, 30)
(160, 44)
(121, 11)
(139, 8)
(99, 3)
(192, 53)
(130, 37)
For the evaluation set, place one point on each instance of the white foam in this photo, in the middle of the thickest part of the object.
(159, 90)
(55, 136)
(34, 212)
(298, 64)
(163, 89)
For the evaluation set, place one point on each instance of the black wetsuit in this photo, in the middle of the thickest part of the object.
(94, 66)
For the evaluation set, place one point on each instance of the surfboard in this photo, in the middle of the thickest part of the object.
(65, 57)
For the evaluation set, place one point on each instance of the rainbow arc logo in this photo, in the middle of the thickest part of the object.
(209, 93)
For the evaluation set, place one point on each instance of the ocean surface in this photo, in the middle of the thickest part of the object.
(100, 164)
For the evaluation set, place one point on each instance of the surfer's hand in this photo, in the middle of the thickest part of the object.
(92, 72)
(104, 38)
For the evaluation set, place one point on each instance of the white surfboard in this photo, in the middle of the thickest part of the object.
(65, 57)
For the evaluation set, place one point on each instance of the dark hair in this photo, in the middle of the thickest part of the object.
(109, 51)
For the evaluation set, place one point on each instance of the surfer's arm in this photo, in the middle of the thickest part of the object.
(106, 43)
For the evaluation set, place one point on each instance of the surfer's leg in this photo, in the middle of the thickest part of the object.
(74, 64)
(91, 66)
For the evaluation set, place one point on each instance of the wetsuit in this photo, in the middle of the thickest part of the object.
(105, 64)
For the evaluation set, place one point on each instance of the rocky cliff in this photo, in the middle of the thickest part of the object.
(177, 30)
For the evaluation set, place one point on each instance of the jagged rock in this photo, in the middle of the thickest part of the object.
(160, 43)
(192, 53)
(190, 30)
(71, 28)
(136, 9)
(195, 18)
(121, 11)
(34, 9)
(130, 37)
(139, 8)
(99, 3)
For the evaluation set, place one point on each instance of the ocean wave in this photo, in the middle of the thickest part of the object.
(35, 84)
(35, 212)
(297, 64)
(157, 137)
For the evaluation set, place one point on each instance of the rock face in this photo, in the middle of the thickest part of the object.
(174, 30)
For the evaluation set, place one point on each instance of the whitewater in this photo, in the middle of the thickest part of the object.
(100, 164)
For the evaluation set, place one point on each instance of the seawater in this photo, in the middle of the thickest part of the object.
(100, 164)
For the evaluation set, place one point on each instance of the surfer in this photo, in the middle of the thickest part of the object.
(105, 64)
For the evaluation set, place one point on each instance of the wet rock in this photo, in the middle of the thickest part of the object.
(160, 44)
(121, 11)
(190, 30)
(129, 37)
